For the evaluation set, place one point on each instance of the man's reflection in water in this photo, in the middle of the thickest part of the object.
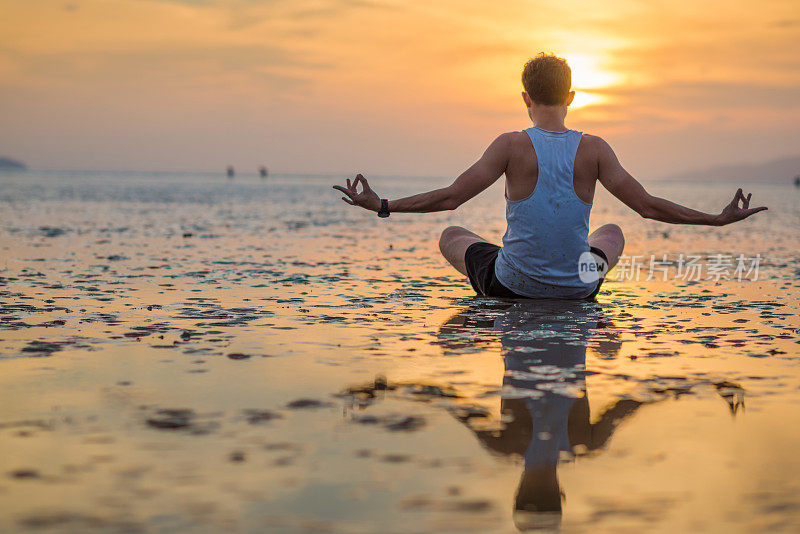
(544, 406)
(544, 403)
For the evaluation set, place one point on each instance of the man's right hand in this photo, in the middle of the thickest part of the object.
(733, 213)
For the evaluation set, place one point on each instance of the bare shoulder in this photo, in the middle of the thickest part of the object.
(507, 146)
(594, 144)
(512, 139)
(598, 150)
(515, 142)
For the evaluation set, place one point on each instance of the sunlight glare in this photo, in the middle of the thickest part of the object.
(583, 99)
(588, 74)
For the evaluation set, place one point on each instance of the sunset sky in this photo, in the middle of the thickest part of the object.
(388, 86)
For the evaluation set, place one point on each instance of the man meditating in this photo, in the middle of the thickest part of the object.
(551, 173)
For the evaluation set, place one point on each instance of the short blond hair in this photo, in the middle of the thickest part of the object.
(547, 79)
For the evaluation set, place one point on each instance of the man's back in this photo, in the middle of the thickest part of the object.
(548, 223)
(522, 172)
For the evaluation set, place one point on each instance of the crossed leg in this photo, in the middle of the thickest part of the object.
(610, 240)
(455, 241)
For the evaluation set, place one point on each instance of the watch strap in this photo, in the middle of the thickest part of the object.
(384, 211)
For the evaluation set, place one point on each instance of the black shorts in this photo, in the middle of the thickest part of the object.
(480, 258)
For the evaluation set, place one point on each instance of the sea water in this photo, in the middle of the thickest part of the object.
(184, 352)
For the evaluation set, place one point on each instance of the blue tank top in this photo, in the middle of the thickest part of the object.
(548, 231)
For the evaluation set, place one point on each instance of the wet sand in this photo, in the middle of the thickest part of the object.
(181, 353)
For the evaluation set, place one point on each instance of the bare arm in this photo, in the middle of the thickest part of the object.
(627, 189)
(477, 178)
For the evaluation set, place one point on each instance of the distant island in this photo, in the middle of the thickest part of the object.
(8, 164)
(779, 171)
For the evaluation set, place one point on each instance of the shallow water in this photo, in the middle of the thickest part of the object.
(181, 352)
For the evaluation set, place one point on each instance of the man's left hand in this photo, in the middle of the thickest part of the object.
(367, 198)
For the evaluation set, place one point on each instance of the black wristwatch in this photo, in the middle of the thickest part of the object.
(384, 211)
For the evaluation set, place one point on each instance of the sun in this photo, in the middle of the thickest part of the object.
(588, 75)
(583, 99)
